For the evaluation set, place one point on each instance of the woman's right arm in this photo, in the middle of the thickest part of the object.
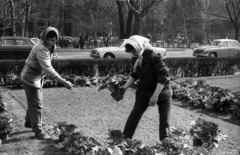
(45, 62)
(66, 84)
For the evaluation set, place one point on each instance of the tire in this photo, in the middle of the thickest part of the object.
(213, 55)
(109, 56)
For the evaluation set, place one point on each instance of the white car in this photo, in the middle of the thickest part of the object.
(118, 51)
(219, 48)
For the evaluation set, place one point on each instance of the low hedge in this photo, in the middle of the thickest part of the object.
(179, 67)
(196, 67)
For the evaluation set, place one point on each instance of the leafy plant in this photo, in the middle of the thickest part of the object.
(199, 94)
(3, 107)
(64, 130)
(207, 131)
(5, 123)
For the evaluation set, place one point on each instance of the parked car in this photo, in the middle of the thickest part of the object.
(118, 51)
(219, 48)
(15, 47)
(34, 40)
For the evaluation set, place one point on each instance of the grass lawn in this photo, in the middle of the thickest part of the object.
(95, 112)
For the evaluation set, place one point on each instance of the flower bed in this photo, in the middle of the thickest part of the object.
(201, 95)
(5, 121)
(197, 94)
(73, 141)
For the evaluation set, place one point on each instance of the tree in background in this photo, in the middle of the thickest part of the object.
(13, 17)
(122, 10)
(233, 9)
(25, 9)
(54, 13)
(96, 18)
(139, 9)
(5, 18)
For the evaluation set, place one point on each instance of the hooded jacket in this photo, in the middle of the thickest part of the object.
(38, 62)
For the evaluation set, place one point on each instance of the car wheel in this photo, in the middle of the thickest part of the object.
(109, 56)
(213, 55)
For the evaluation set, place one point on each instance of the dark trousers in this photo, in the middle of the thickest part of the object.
(81, 45)
(141, 104)
(34, 109)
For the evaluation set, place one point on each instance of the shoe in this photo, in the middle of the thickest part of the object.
(27, 125)
(42, 136)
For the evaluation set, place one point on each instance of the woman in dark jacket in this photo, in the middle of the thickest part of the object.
(154, 85)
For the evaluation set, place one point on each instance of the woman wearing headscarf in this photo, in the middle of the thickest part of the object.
(36, 66)
(154, 85)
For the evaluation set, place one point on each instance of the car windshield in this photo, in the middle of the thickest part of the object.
(215, 43)
(118, 43)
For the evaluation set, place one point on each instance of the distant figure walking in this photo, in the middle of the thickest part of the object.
(149, 37)
(81, 40)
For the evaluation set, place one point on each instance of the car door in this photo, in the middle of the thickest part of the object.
(7, 49)
(234, 48)
(223, 50)
(237, 48)
(23, 48)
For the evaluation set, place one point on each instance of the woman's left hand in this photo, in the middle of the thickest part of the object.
(153, 100)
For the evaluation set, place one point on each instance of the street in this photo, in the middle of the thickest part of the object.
(85, 53)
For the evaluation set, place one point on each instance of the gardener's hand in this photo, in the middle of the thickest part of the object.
(69, 85)
(153, 100)
(122, 90)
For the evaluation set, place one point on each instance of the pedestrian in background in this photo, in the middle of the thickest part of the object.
(149, 36)
(95, 42)
(81, 40)
(36, 66)
(154, 85)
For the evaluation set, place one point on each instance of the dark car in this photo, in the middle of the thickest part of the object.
(15, 47)
(219, 48)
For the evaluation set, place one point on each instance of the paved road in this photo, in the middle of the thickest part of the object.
(85, 54)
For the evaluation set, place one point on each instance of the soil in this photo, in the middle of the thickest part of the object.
(94, 113)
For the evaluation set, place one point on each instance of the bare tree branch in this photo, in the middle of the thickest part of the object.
(153, 2)
(132, 8)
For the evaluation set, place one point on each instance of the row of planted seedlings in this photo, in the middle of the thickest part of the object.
(5, 120)
(200, 95)
(201, 138)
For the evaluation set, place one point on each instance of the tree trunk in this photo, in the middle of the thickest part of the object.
(138, 18)
(27, 11)
(121, 20)
(236, 33)
(1, 33)
(129, 21)
(129, 24)
(138, 25)
(13, 17)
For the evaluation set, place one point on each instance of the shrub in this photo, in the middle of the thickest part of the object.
(179, 67)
